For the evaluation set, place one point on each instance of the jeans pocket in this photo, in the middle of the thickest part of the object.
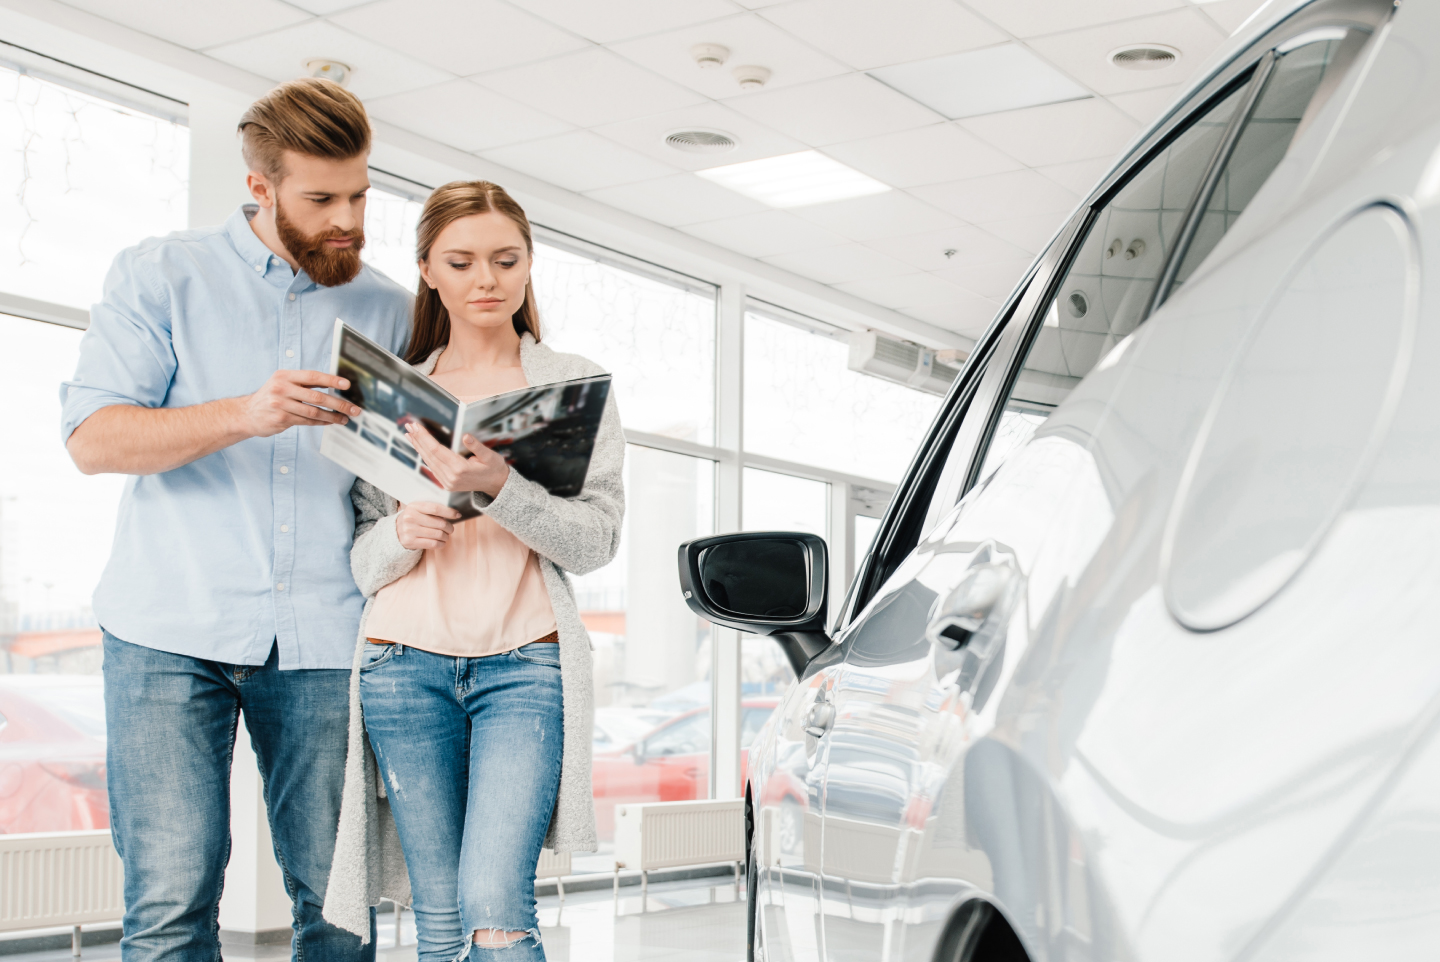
(545, 653)
(375, 655)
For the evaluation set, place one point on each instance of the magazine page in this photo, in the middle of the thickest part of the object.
(547, 433)
(390, 395)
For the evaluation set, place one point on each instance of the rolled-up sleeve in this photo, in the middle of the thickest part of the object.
(126, 357)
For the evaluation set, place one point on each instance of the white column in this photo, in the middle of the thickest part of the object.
(255, 905)
(217, 172)
(725, 643)
(841, 545)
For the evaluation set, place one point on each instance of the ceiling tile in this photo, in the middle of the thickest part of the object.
(465, 115)
(966, 244)
(751, 40)
(578, 161)
(922, 155)
(1030, 233)
(606, 22)
(589, 88)
(831, 265)
(410, 26)
(676, 200)
(1080, 176)
(1085, 54)
(1147, 106)
(195, 23)
(1230, 14)
(878, 215)
(1029, 18)
(836, 110)
(970, 319)
(1056, 133)
(994, 280)
(377, 71)
(866, 33)
(907, 290)
(765, 234)
(982, 199)
(647, 135)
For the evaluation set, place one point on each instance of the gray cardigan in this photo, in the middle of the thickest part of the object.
(578, 534)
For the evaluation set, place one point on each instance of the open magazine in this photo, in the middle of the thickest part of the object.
(546, 433)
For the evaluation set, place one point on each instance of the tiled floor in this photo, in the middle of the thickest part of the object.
(698, 920)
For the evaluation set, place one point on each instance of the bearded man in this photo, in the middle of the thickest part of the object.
(228, 589)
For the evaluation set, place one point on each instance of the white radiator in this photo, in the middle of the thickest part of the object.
(552, 864)
(59, 878)
(666, 834)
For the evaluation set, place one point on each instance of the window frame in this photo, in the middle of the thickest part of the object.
(967, 422)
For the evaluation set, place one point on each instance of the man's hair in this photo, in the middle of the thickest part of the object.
(311, 116)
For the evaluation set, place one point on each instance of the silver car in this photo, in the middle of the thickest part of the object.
(1145, 662)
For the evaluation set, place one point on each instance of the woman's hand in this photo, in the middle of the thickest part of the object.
(486, 472)
(424, 524)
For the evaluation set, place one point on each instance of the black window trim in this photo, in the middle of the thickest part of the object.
(990, 370)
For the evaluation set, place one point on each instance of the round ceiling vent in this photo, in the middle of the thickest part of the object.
(1144, 56)
(700, 141)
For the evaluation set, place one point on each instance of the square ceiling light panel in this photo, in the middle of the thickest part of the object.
(1005, 77)
(794, 180)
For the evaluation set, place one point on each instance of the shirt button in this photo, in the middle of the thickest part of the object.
(259, 268)
(280, 586)
(284, 470)
(292, 297)
(284, 527)
(289, 353)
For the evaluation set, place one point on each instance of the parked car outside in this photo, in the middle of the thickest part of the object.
(1142, 663)
(671, 763)
(52, 754)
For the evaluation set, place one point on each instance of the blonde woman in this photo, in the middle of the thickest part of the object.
(473, 669)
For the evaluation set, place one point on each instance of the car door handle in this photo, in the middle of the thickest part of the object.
(819, 718)
(982, 597)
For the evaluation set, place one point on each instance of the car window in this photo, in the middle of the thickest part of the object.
(1105, 293)
(688, 736)
(1293, 92)
(1132, 244)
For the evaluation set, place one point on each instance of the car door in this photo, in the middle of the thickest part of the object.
(787, 795)
(910, 708)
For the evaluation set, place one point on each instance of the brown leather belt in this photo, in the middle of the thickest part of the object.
(551, 639)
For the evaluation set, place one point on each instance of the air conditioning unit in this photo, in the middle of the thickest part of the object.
(900, 361)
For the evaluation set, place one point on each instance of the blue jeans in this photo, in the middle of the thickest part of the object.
(171, 723)
(470, 750)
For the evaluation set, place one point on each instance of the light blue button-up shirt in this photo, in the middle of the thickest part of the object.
(250, 547)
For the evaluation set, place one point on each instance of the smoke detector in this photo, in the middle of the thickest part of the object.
(1144, 56)
(752, 77)
(710, 56)
(701, 141)
(328, 70)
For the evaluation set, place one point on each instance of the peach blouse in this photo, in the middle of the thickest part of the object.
(480, 593)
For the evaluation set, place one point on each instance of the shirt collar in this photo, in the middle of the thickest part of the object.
(249, 246)
(253, 250)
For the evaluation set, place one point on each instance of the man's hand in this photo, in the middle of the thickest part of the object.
(129, 439)
(287, 400)
(486, 472)
(424, 524)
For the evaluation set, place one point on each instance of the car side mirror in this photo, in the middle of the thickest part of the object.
(639, 752)
(764, 582)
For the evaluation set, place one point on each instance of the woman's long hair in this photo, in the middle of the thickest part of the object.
(430, 328)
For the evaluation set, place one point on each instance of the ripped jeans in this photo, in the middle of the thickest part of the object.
(470, 751)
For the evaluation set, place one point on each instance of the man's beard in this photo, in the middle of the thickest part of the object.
(327, 266)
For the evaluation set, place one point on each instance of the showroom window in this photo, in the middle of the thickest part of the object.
(83, 178)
